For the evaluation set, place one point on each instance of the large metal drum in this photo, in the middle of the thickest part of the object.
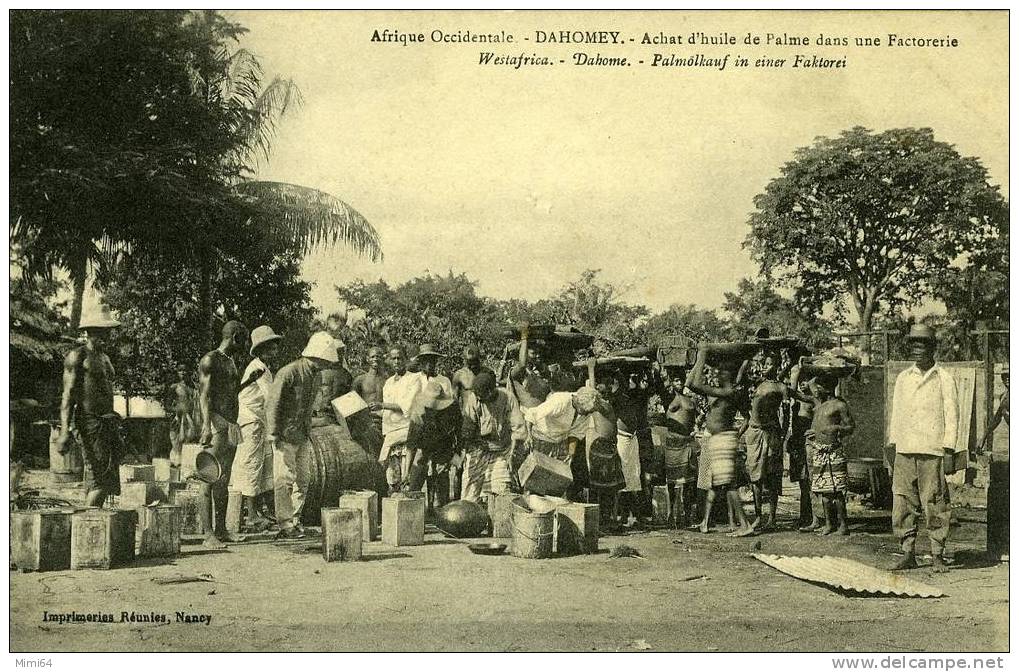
(336, 462)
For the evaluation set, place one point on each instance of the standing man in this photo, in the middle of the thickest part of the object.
(463, 378)
(397, 398)
(923, 428)
(288, 410)
(491, 417)
(369, 384)
(88, 400)
(463, 381)
(629, 399)
(252, 472)
(218, 384)
(434, 430)
(187, 419)
(761, 440)
(333, 381)
(718, 465)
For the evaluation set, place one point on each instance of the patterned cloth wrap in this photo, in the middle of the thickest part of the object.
(555, 449)
(101, 448)
(604, 464)
(829, 468)
(719, 460)
(681, 451)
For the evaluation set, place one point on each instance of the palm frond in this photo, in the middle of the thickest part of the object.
(309, 217)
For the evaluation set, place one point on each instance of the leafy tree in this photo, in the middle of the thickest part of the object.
(164, 327)
(138, 132)
(696, 324)
(977, 291)
(872, 217)
(756, 304)
(36, 346)
(109, 142)
(444, 310)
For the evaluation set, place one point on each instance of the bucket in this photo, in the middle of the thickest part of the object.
(532, 532)
(207, 467)
(335, 463)
(66, 467)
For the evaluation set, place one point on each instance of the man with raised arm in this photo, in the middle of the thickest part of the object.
(724, 400)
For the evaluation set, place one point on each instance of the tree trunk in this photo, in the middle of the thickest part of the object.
(865, 313)
(79, 276)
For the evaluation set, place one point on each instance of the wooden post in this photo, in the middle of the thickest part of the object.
(988, 388)
(988, 378)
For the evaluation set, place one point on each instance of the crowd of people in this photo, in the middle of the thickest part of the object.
(741, 416)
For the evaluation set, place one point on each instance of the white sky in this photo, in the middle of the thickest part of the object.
(523, 178)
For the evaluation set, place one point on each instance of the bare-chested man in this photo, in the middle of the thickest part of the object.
(218, 385)
(718, 459)
(88, 399)
(463, 378)
(629, 397)
(370, 383)
(801, 412)
(832, 422)
(762, 439)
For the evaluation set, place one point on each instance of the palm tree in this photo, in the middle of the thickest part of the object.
(286, 213)
(58, 223)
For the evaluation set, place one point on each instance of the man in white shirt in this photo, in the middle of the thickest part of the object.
(398, 394)
(557, 425)
(252, 466)
(923, 429)
(433, 440)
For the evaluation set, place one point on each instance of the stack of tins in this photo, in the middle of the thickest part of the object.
(335, 463)
(102, 538)
(158, 532)
(41, 540)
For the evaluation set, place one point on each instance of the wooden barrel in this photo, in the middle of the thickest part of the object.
(66, 467)
(335, 463)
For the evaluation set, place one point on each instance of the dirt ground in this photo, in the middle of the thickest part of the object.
(690, 592)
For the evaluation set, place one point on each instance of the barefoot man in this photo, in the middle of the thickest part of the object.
(88, 400)
(830, 473)
(721, 447)
(801, 417)
(923, 428)
(218, 385)
(762, 439)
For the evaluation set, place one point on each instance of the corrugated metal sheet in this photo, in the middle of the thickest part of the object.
(849, 575)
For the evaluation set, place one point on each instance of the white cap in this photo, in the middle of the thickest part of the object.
(322, 345)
